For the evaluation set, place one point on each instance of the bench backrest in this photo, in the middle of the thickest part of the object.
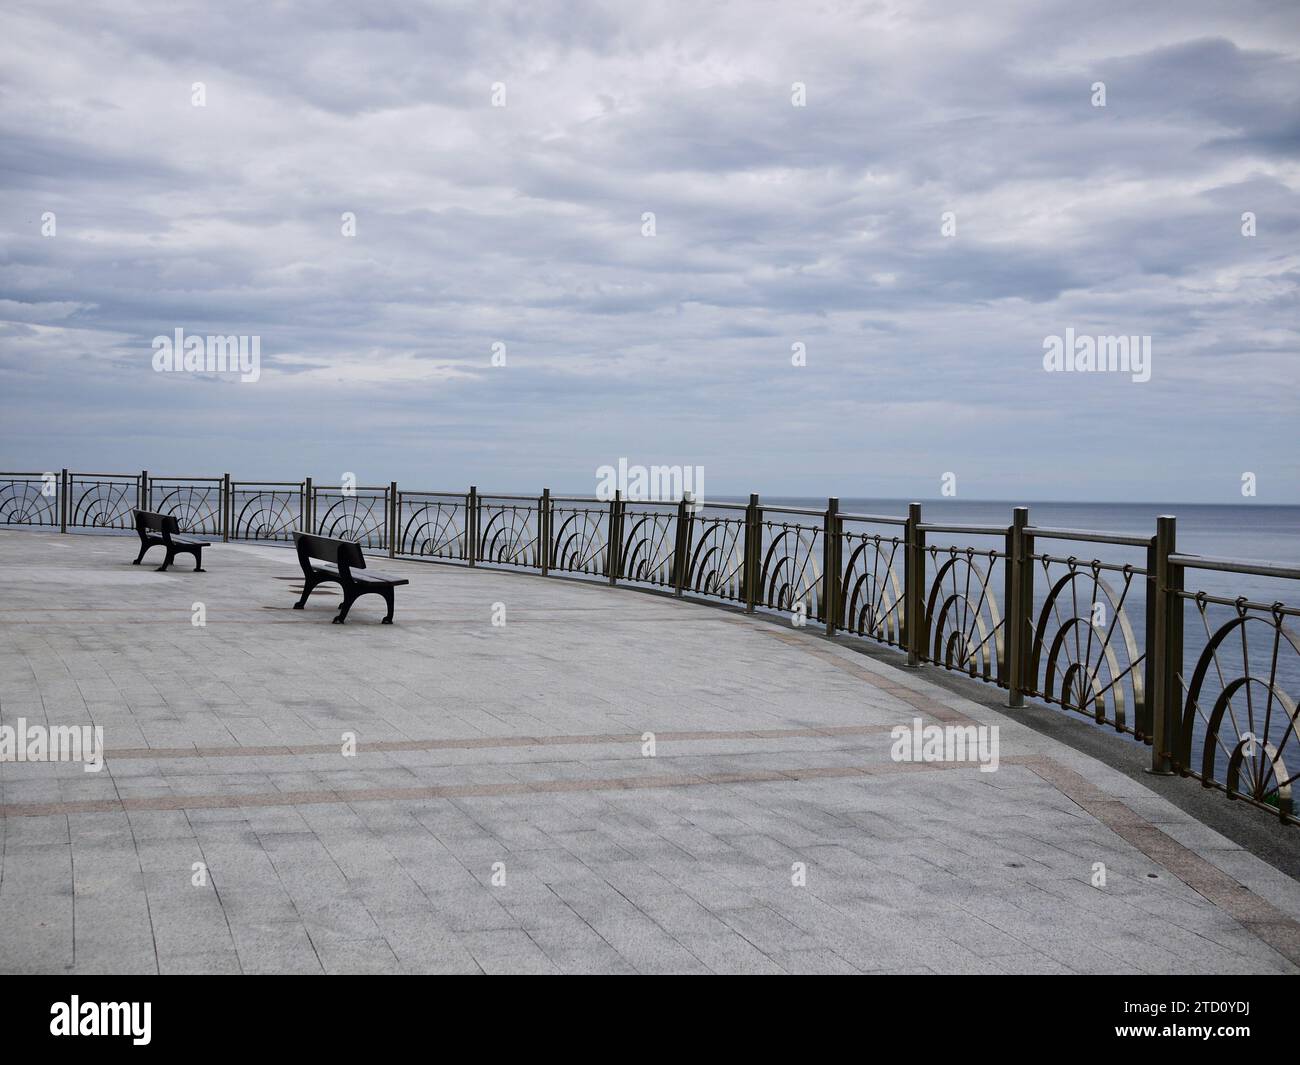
(147, 521)
(346, 554)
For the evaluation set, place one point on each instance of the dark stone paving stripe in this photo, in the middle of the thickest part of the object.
(487, 742)
(463, 791)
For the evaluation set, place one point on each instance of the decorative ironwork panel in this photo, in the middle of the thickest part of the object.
(963, 619)
(29, 499)
(1238, 728)
(579, 537)
(102, 502)
(196, 504)
(716, 557)
(871, 600)
(790, 567)
(360, 514)
(431, 526)
(507, 533)
(1084, 655)
(266, 512)
(649, 545)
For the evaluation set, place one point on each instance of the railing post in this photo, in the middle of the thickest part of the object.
(831, 564)
(613, 537)
(753, 552)
(682, 543)
(1167, 662)
(1144, 711)
(308, 505)
(392, 519)
(544, 531)
(914, 584)
(143, 502)
(1017, 620)
(472, 525)
(225, 508)
(63, 501)
(1174, 656)
(619, 542)
(1028, 646)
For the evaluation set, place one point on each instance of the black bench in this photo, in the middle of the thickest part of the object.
(161, 530)
(324, 560)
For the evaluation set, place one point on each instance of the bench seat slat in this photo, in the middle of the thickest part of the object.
(364, 576)
(374, 577)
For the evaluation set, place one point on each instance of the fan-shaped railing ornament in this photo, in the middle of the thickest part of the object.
(262, 514)
(1085, 658)
(1250, 718)
(790, 572)
(871, 591)
(962, 618)
(197, 507)
(508, 534)
(353, 516)
(649, 547)
(717, 557)
(103, 504)
(579, 539)
(24, 502)
(432, 528)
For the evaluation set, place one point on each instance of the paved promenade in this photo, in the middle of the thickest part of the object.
(502, 811)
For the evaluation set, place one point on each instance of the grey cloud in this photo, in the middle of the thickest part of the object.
(775, 224)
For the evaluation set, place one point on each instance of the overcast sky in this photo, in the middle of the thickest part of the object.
(775, 224)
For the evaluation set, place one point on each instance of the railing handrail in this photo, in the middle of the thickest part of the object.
(773, 508)
(878, 519)
(1043, 532)
(340, 488)
(1256, 567)
(967, 530)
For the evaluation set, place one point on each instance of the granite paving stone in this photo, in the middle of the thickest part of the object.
(502, 812)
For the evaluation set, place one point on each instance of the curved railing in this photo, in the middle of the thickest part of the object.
(1097, 623)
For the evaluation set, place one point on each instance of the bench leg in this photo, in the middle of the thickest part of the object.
(171, 557)
(140, 556)
(388, 598)
(307, 588)
(198, 561)
(346, 605)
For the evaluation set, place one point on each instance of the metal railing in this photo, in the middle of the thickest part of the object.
(1105, 633)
